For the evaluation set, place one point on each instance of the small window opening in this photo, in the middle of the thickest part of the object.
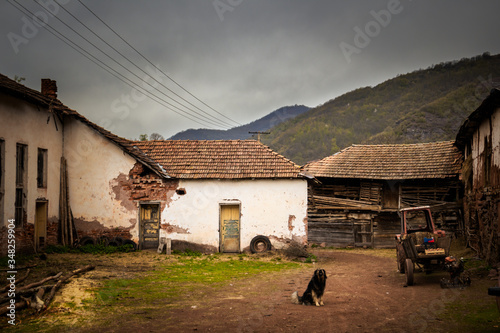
(181, 191)
(42, 168)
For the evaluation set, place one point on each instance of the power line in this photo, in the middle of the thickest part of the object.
(104, 66)
(216, 123)
(152, 64)
(132, 63)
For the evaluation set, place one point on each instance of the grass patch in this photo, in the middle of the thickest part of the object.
(89, 248)
(180, 276)
(472, 313)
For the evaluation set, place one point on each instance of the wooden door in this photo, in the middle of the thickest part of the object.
(149, 226)
(40, 224)
(230, 228)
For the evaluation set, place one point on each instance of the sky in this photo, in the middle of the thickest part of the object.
(220, 63)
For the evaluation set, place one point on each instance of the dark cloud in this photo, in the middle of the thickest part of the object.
(244, 58)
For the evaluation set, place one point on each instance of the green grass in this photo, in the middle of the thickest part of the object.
(164, 286)
(472, 315)
(174, 278)
(89, 248)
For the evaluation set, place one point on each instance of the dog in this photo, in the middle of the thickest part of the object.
(314, 292)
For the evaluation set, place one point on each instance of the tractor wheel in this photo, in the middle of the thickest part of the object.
(401, 258)
(409, 272)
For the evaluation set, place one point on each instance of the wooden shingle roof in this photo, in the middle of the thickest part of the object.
(484, 111)
(436, 160)
(218, 159)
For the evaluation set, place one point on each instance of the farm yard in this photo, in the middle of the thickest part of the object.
(149, 292)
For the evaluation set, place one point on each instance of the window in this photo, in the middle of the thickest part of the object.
(21, 180)
(19, 204)
(487, 161)
(21, 164)
(41, 177)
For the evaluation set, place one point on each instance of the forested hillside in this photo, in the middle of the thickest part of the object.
(241, 132)
(422, 106)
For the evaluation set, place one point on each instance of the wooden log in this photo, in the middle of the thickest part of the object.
(35, 284)
(61, 281)
(18, 268)
(26, 292)
(4, 289)
(18, 306)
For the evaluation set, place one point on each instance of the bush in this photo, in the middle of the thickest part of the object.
(295, 250)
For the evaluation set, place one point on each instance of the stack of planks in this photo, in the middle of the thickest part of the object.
(322, 202)
(67, 231)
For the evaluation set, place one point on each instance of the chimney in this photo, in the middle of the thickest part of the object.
(49, 88)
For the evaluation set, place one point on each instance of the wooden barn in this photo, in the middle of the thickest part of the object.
(362, 188)
(479, 139)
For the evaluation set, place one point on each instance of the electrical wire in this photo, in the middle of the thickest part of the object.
(107, 68)
(152, 64)
(139, 68)
(216, 123)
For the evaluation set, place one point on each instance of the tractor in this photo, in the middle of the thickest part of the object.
(421, 244)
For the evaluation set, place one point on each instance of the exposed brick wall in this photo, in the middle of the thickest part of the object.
(144, 185)
(25, 238)
(109, 233)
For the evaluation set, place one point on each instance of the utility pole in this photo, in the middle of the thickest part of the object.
(258, 134)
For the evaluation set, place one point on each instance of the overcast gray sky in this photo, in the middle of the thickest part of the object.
(243, 58)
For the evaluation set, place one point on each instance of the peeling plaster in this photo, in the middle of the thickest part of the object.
(170, 228)
(121, 194)
(291, 219)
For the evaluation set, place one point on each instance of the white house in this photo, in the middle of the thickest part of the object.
(62, 177)
(228, 192)
(56, 171)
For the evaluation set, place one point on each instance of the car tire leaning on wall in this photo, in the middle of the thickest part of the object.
(130, 242)
(260, 244)
(86, 240)
(103, 240)
(117, 241)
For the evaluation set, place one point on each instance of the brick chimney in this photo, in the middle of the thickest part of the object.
(49, 88)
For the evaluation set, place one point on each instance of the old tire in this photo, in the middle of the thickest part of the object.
(87, 240)
(117, 241)
(409, 272)
(260, 244)
(103, 240)
(130, 242)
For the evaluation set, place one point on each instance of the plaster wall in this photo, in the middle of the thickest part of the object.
(24, 123)
(94, 164)
(274, 208)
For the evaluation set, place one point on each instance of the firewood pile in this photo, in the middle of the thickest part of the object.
(37, 295)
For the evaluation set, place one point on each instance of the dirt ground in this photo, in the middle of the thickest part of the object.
(364, 293)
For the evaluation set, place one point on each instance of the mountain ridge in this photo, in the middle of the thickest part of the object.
(422, 106)
(241, 132)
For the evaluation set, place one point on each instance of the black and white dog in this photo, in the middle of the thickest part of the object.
(314, 292)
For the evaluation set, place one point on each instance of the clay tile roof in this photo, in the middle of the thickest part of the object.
(435, 160)
(218, 159)
(20, 91)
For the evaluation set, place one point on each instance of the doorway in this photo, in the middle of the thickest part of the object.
(40, 224)
(149, 226)
(230, 228)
